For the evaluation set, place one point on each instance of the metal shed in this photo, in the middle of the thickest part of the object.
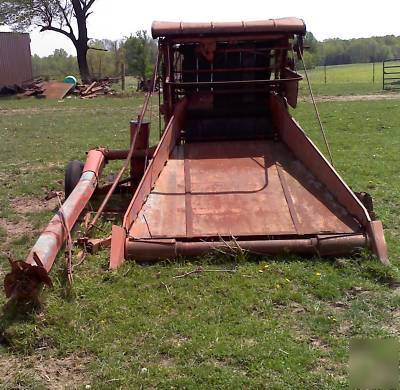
(15, 58)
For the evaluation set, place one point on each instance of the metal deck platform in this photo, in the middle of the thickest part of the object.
(238, 188)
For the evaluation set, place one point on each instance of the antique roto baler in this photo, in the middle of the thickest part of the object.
(232, 169)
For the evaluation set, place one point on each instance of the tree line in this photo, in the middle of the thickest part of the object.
(337, 51)
(137, 53)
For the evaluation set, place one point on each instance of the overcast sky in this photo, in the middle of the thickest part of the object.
(115, 19)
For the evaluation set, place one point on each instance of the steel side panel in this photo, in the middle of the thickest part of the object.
(305, 151)
(117, 253)
(238, 188)
(161, 155)
(316, 209)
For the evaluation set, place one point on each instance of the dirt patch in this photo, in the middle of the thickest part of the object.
(248, 342)
(327, 367)
(24, 206)
(167, 361)
(351, 98)
(345, 328)
(339, 306)
(33, 205)
(15, 229)
(393, 327)
(318, 343)
(179, 340)
(52, 372)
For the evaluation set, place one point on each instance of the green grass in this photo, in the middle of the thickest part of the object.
(351, 79)
(279, 322)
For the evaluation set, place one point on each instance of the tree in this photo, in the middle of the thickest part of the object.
(56, 65)
(66, 17)
(108, 58)
(141, 53)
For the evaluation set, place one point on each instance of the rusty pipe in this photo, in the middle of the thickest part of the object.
(51, 240)
(123, 154)
(53, 237)
(153, 249)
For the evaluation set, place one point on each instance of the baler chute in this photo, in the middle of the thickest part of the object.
(232, 165)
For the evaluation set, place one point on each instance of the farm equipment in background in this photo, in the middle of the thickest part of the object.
(232, 170)
(148, 85)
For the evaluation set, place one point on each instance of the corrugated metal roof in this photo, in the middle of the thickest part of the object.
(15, 58)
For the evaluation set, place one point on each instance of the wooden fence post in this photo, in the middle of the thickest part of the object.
(123, 76)
(373, 73)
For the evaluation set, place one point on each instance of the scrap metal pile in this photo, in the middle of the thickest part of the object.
(232, 171)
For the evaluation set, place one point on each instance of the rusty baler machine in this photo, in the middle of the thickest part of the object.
(232, 168)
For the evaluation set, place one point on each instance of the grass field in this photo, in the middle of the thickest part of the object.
(352, 79)
(279, 322)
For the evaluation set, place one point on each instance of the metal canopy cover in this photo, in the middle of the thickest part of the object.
(283, 25)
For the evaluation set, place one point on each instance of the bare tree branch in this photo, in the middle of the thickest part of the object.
(97, 48)
(56, 29)
(87, 6)
(67, 17)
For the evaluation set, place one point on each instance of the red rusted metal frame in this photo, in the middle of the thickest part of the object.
(259, 50)
(182, 29)
(53, 237)
(170, 78)
(227, 70)
(168, 75)
(304, 149)
(167, 143)
(117, 255)
(290, 90)
(166, 91)
(287, 87)
(168, 140)
(232, 39)
(121, 189)
(112, 155)
(231, 83)
(153, 250)
(96, 244)
(378, 242)
(138, 164)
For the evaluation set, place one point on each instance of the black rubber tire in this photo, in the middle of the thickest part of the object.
(73, 173)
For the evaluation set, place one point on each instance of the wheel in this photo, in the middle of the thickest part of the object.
(73, 173)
